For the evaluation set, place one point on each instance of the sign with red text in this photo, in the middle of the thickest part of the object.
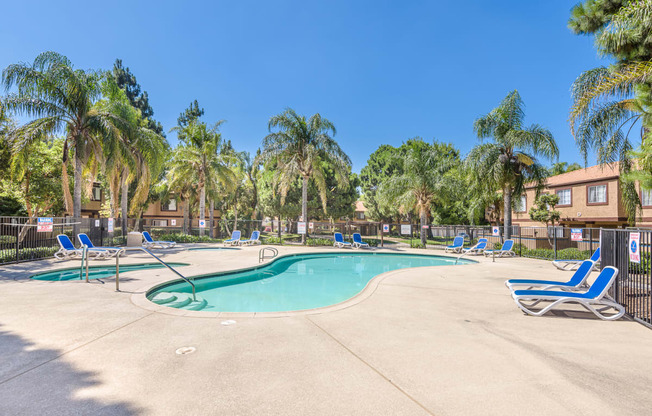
(385, 228)
(576, 234)
(111, 226)
(44, 225)
(495, 231)
(301, 227)
(202, 223)
(635, 247)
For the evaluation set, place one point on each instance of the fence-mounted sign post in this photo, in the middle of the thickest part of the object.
(635, 247)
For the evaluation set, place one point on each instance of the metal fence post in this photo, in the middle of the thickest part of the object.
(520, 241)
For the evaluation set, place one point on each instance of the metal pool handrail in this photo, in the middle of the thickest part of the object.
(261, 253)
(117, 269)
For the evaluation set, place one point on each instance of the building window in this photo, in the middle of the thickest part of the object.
(597, 194)
(564, 197)
(359, 215)
(159, 223)
(520, 204)
(646, 197)
(171, 205)
(96, 192)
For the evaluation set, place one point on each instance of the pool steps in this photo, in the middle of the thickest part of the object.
(179, 301)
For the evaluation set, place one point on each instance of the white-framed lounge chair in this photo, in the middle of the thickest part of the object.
(67, 250)
(595, 299)
(479, 248)
(357, 241)
(150, 242)
(255, 239)
(456, 247)
(576, 281)
(574, 264)
(505, 251)
(338, 241)
(234, 240)
(111, 251)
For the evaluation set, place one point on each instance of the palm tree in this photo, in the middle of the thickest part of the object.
(298, 148)
(509, 162)
(61, 99)
(200, 156)
(422, 181)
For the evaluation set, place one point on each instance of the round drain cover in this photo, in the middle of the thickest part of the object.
(186, 350)
(228, 322)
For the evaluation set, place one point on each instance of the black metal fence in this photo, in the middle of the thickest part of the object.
(632, 287)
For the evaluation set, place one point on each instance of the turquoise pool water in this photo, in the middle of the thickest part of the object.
(299, 282)
(98, 272)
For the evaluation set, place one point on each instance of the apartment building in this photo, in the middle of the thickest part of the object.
(589, 197)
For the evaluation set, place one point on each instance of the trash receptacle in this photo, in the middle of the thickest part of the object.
(134, 239)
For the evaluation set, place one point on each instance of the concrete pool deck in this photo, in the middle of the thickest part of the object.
(442, 340)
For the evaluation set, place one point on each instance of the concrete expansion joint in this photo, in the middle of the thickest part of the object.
(374, 369)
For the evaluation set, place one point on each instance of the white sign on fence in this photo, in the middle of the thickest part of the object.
(385, 228)
(301, 227)
(173, 222)
(635, 247)
(576, 234)
(311, 225)
(44, 225)
(495, 231)
(202, 223)
(110, 225)
(97, 223)
(406, 229)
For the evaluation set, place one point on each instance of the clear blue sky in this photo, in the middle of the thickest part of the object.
(382, 71)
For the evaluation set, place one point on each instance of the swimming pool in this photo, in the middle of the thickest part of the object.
(290, 283)
(98, 272)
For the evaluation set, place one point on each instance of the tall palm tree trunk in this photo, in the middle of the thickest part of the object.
(211, 217)
(124, 204)
(186, 216)
(77, 192)
(508, 212)
(423, 219)
(202, 208)
(304, 205)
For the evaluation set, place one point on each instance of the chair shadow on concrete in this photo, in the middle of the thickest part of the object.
(37, 381)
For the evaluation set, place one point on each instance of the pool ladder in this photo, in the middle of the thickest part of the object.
(117, 267)
(261, 253)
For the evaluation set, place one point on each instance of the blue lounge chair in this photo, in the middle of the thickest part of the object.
(456, 247)
(506, 250)
(574, 264)
(339, 241)
(578, 280)
(255, 239)
(112, 251)
(234, 240)
(67, 250)
(357, 241)
(479, 248)
(150, 243)
(595, 296)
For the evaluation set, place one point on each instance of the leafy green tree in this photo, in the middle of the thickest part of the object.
(544, 211)
(299, 147)
(609, 102)
(199, 157)
(190, 114)
(423, 181)
(269, 199)
(563, 167)
(140, 100)
(63, 100)
(381, 165)
(509, 161)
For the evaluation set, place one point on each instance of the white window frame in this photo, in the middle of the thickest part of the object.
(595, 187)
(566, 192)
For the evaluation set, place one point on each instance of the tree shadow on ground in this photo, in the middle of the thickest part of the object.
(38, 381)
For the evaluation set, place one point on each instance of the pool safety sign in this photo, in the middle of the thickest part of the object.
(576, 234)
(406, 229)
(173, 222)
(495, 231)
(97, 223)
(385, 228)
(202, 223)
(301, 227)
(44, 225)
(635, 247)
(311, 225)
(110, 225)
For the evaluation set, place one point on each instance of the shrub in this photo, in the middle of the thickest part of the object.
(7, 256)
(272, 240)
(185, 238)
(319, 242)
(416, 244)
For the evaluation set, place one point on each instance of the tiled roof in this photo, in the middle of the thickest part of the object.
(590, 174)
(359, 206)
